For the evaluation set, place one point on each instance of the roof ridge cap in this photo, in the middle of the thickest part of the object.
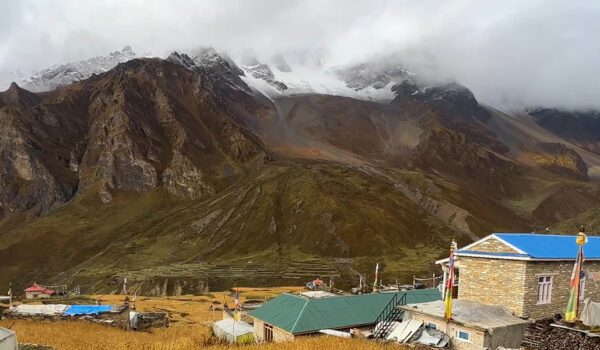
(306, 300)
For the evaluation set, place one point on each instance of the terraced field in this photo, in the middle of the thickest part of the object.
(186, 278)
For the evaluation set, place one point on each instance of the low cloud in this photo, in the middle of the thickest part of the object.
(510, 53)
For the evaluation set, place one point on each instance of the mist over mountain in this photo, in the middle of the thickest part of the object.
(288, 137)
(512, 54)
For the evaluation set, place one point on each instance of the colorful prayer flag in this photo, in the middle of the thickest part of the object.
(573, 304)
(236, 302)
(376, 277)
(450, 283)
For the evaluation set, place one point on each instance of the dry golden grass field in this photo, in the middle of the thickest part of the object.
(190, 316)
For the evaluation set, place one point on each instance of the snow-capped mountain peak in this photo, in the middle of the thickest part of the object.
(63, 74)
(275, 76)
(259, 70)
(219, 67)
(295, 75)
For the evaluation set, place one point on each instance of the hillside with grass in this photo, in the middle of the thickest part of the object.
(190, 319)
(175, 174)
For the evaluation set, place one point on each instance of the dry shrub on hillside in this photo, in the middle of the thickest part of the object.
(70, 335)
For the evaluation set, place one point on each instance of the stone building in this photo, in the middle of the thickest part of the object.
(37, 291)
(528, 273)
(289, 316)
(474, 326)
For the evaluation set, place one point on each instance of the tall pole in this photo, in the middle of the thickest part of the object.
(360, 284)
(444, 280)
(449, 287)
(235, 312)
(573, 304)
(375, 289)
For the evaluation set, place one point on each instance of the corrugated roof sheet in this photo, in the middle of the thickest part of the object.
(235, 328)
(470, 313)
(33, 309)
(297, 314)
(39, 288)
(542, 246)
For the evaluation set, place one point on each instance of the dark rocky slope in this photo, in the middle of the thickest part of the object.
(170, 171)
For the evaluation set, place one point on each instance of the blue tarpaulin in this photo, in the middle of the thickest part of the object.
(87, 310)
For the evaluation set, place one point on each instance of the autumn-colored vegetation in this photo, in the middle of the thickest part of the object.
(191, 317)
(70, 335)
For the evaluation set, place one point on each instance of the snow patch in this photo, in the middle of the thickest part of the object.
(301, 79)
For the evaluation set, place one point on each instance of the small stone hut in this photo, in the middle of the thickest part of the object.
(473, 326)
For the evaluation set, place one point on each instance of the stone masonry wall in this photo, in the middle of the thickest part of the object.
(279, 335)
(561, 286)
(514, 284)
(478, 338)
(493, 282)
(492, 245)
(259, 330)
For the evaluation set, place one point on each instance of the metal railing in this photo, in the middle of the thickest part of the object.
(389, 314)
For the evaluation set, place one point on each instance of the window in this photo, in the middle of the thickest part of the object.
(268, 332)
(544, 290)
(464, 336)
(432, 325)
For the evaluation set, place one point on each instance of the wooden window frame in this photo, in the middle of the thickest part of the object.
(544, 289)
(268, 332)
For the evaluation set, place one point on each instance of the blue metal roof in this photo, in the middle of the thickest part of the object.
(500, 255)
(542, 246)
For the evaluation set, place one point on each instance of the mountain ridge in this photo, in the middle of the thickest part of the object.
(157, 163)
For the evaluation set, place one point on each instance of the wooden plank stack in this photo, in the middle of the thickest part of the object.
(540, 335)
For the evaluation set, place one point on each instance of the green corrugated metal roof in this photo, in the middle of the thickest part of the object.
(298, 314)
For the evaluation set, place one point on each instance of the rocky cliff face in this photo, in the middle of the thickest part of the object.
(562, 160)
(146, 124)
(36, 142)
(579, 128)
(455, 140)
(160, 162)
(262, 71)
(454, 102)
(377, 76)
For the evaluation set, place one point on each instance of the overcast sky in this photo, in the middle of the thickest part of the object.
(508, 52)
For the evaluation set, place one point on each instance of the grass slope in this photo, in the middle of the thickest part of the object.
(190, 320)
(283, 213)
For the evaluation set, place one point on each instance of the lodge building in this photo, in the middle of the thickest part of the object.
(530, 274)
(289, 316)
